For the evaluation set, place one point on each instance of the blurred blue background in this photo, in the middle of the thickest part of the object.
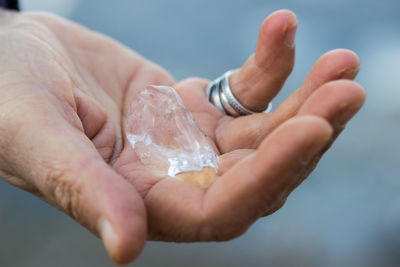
(346, 214)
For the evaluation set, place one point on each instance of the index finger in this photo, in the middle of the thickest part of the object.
(261, 180)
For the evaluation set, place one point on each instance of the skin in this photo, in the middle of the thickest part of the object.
(66, 90)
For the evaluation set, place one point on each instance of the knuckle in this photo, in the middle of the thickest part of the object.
(63, 190)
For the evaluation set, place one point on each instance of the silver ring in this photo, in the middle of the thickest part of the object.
(220, 94)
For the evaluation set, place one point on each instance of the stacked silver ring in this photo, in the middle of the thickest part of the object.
(220, 94)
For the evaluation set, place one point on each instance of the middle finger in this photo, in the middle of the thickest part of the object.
(249, 131)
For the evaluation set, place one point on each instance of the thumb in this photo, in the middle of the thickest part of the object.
(65, 169)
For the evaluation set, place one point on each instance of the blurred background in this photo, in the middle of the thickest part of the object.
(346, 214)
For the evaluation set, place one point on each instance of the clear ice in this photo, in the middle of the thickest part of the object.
(165, 136)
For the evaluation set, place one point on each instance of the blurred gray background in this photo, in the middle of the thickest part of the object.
(346, 214)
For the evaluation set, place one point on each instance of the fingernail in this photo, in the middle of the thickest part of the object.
(109, 237)
(291, 34)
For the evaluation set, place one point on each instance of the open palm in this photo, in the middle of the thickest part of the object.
(70, 89)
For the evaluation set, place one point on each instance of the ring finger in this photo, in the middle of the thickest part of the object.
(264, 73)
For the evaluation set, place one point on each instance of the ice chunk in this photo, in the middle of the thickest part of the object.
(165, 136)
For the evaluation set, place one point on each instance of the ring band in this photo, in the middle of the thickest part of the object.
(220, 94)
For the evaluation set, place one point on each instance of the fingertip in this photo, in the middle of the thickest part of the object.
(110, 238)
(279, 24)
(361, 93)
(355, 93)
(282, 16)
(333, 65)
(345, 53)
(121, 247)
(347, 62)
(351, 97)
(122, 222)
(276, 43)
(334, 99)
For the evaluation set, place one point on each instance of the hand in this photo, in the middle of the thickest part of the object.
(65, 91)
(263, 156)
